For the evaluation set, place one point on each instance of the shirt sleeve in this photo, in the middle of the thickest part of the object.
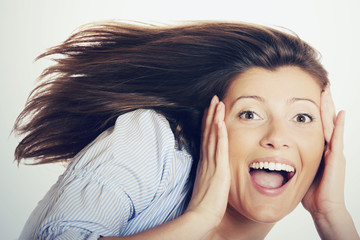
(111, 181)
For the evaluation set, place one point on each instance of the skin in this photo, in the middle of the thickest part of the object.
(279, 117)
(219, 207)
(269, 114)
(325, 197)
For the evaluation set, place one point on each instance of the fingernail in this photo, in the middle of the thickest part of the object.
(214, 99)
(326, 90)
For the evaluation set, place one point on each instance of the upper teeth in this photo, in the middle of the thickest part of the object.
(272, 166)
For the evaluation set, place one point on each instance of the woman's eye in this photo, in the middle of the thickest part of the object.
(303, 118)
(249, 115)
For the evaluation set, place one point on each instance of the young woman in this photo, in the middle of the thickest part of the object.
(128, 107)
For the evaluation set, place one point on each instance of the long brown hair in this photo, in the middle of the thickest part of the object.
(105, 70)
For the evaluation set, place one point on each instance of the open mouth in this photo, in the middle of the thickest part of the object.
(270, 175)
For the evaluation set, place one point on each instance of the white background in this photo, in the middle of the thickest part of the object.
(29, 27)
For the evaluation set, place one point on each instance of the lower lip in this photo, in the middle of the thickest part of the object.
(271, 192)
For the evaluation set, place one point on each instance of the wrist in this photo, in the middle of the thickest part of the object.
(198, 225)
(335, 224)
(207, 220)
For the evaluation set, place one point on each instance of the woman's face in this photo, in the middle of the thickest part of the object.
(275, 140)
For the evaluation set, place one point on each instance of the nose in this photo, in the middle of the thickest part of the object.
(276, 136)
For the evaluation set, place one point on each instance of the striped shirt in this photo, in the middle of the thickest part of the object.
(129, 179)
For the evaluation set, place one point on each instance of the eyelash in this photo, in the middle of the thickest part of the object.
(242, 114)
(308, 118)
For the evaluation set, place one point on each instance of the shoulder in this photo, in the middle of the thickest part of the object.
(135, 137)
(143, 123)
(141, 131)
(142, 116)
(136, 156)
(135, 152)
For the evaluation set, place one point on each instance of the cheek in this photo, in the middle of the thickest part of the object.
(312, 147)
(241, 143)
(311, 151)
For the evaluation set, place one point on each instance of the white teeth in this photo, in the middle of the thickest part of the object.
(278, 166)
(266, 165)
(272, 166)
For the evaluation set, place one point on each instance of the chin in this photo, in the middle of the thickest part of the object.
(264, 213)
(267, 216)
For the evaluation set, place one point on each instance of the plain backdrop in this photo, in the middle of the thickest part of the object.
(30, 27)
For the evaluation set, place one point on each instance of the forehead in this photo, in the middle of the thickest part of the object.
(284, 82)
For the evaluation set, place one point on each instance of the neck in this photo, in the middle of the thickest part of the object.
(236, 226)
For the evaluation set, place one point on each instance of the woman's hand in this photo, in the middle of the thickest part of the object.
(327, 191)
(212, 184)
(325, 198)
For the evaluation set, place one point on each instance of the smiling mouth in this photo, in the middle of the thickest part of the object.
(270, 175)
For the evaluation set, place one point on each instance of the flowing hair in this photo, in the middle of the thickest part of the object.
(107, 69)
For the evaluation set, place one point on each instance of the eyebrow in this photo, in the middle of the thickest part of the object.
(260, 99)
(292, 100)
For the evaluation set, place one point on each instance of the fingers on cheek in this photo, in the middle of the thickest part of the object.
(328, 126)
(327, 114)
(210, 137)
(337, 142)
(215, 129)
(221, 128)
(208, 119)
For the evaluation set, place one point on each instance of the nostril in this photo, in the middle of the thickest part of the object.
(276, 145)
